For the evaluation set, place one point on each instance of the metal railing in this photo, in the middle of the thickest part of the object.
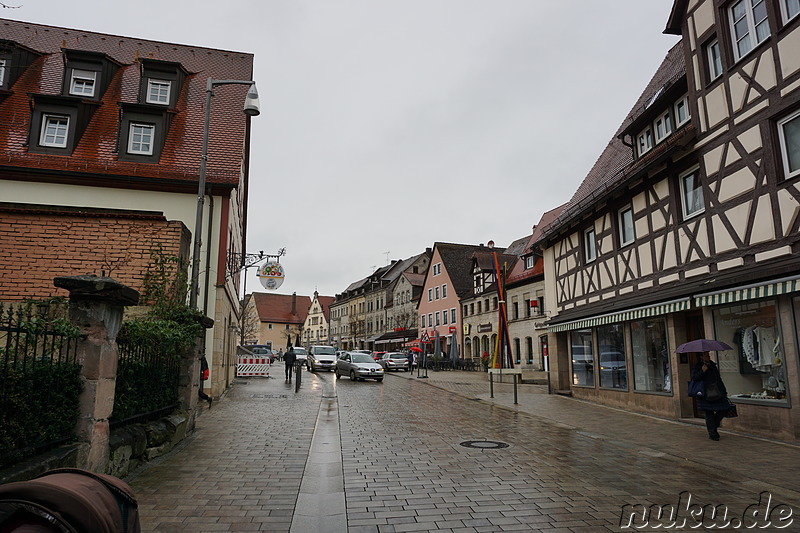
(40, 381)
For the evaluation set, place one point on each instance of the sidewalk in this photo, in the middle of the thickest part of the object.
(762, 464)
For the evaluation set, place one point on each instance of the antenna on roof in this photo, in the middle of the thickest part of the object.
(387, 257)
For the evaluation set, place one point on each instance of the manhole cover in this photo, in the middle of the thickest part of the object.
(484, 444)
(239, 382)
(269, 395)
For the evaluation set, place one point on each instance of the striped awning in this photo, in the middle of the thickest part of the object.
(622, 316)
(749, 292)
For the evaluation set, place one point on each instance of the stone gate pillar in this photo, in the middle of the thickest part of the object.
(96, 305)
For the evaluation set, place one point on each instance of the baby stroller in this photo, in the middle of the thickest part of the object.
(69, 500)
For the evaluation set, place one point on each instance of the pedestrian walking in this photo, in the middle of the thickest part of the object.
(410, 356)
(715, 401)
(203, 378)
(289, 359)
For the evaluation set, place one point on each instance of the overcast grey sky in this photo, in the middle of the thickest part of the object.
(388, 125)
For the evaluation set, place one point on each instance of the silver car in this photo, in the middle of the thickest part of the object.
(358, 366)
(394, 361)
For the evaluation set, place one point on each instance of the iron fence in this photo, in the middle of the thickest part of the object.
(147, 383)
(40, 381)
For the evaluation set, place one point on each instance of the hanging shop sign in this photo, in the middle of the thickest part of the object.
(271, 275)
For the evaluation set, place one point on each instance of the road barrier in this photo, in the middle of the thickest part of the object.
(252, 366)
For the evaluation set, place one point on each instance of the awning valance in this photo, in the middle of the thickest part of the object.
(662, 308)
(749, 292)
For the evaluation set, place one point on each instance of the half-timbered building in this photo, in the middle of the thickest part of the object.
(687, 227)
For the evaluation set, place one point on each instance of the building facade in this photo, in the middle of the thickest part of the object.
(687, 228)
(316, 328)
(96, 125)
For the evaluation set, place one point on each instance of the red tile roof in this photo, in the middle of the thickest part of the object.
(95, 153)
(282, 308)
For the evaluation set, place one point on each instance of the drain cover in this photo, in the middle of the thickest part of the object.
(484, 444)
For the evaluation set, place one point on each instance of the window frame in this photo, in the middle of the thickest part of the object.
(665, 119)
(623, 240)
(46, 117)
(695, 171)
(752, 26)
(129, 148)
(787, 172)
(713, 56)
(430, 294)
(685, 101)
(153, 82)
(3, 71)
(785, 10)
(77, 74)
(589, 245)
(530, 262)
(644, 140)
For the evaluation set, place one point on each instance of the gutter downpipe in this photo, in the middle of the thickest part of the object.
(208, 253)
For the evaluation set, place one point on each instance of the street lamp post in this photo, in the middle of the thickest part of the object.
(251, 108)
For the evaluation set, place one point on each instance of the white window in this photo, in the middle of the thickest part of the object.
(789, 133)
(430, 295)
(444, 317)
(438, 318)
(453, 315)
(790, 9)
(590, 245)
(663, 126)
(437, 269)
(54, 131)
(692, 194)
(626, 234)
(529, 262)
(430, 319)
(2, 72)
(82, 82)
(140, 139)
(749, 25)
(714, 60)
(422, 320)
(158, 91)
(645, 141)
(444, 290)
(682, 111)
(436, 293)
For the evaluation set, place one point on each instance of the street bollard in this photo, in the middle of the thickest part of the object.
(515, 386)
(491, 385)
(298, 376)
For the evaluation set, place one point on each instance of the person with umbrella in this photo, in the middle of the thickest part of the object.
(715, 402)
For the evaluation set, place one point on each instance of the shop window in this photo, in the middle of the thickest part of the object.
(651, 368)
(755, 369)
(581, 350)
(611, 358)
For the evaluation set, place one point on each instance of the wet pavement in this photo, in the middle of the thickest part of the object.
(439, 454)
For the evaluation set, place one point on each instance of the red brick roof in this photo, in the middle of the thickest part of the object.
(282, 308)
(326, 302)
(180, 157)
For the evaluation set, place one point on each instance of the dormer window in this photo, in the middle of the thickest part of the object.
(645, 141)
(530, 261)
(140, 138)
(158, 91)
(55, 129)
(2, 72)
(83, 83)
(682, 112)
(161, 82)
(663, 126)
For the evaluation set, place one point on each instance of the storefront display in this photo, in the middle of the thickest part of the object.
(651, 367)
(582, 357)
(755, 368)
(612, 363)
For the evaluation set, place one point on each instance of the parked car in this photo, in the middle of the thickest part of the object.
(321, 358)
(394, 361)
(377, 355)
(301, 354)
(358, 366)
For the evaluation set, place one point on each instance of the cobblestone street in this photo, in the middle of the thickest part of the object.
(400, 463)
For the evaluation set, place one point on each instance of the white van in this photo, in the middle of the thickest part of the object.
(321, 358)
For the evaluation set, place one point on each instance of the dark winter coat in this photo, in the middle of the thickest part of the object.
(289, 358)
(711, 375)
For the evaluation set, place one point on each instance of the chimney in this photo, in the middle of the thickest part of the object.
(294, 303)
(491, 244)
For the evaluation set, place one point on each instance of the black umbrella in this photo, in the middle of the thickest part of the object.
(703, 345)
(297, 340)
